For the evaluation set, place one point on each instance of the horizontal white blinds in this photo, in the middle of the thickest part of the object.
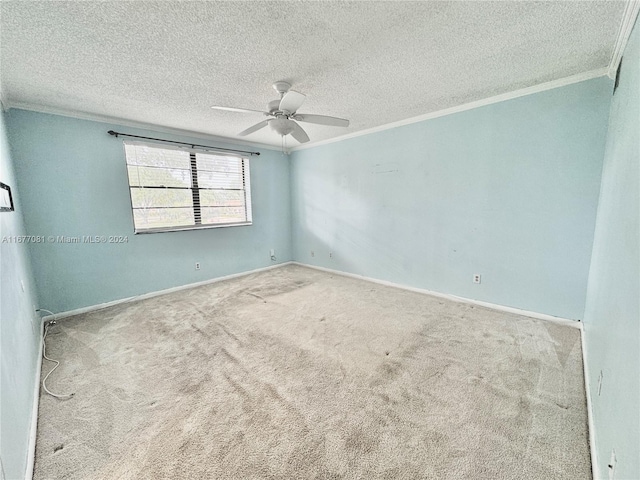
(217, 172)
(180, 189)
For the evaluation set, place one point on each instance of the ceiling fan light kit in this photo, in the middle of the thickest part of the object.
(281, 125)
(284, 112)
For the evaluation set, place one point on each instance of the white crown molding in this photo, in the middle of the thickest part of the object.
(561, 82)
(132, 124)
(4, 106)
(580, 77)
(626, 27)
(448, 296)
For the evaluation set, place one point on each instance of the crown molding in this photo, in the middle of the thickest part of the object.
(626, 27)
(541, 87)
(132, 124)
(4, 106)
(581, 77)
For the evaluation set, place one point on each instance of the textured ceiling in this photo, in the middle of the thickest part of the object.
(166, 63)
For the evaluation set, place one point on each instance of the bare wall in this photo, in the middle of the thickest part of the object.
(74, 180)
(19, 328)
(508, 191)
(612, 316)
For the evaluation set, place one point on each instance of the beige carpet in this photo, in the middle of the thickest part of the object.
(299, 374)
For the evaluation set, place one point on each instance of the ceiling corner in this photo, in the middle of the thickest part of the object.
(626, 26)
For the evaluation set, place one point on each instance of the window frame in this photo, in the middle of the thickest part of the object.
(194, 188)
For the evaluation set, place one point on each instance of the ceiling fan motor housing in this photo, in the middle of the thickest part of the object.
(284, 112)
(274, 106)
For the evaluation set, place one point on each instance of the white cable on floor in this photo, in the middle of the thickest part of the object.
(44, 354)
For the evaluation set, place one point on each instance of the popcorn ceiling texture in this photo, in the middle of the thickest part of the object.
(298, 374)
(166, 63)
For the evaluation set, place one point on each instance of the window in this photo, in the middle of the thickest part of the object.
(183, 189)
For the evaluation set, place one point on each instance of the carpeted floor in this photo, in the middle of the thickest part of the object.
(294, 373)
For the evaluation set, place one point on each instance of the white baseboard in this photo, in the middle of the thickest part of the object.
(587, 386)
(143, 296)
(455, 298)
(36, 390)
(502, 308)
(31, 454)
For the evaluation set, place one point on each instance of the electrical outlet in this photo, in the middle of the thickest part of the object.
(612, 465)
(313, 253)
(477, 278)
(272, 253)
(330, 255)
(197, 265)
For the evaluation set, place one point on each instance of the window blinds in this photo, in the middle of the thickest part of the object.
(178, 189)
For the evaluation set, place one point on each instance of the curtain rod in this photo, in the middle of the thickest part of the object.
(193, 145)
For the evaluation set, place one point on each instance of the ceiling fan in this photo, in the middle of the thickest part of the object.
(284, 112)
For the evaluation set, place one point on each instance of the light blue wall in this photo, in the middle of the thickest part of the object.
(74, 181)
(612, 316)
(509, 191)
(19, 329)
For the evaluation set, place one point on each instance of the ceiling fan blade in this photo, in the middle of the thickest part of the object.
(241, 110)
(291, 101)
(323, 120)
(255, 128)
(298, 133)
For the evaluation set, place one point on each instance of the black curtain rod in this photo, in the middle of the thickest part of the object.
(193, 145)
